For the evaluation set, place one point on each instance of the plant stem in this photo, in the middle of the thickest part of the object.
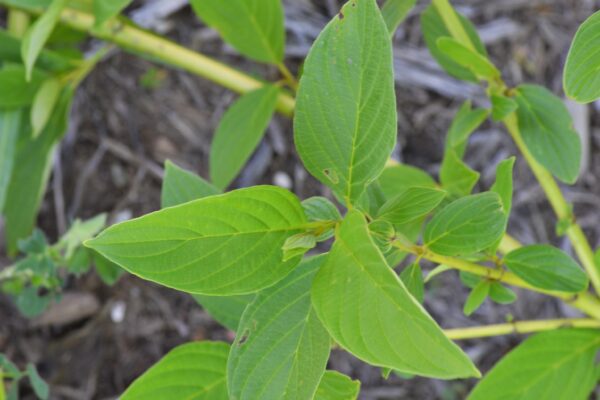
(18, 22)
(146, 43)
(520, 327)
(289, 77)
(508, 244)
(584, 301)
(561, 208)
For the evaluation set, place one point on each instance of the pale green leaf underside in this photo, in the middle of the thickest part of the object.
(224, 245)
(337, 386)
(253, 27)
(582, 71)
(281, 348)
(369, 312)
(557, 365)
(180, 186)
(547, 129)
(547, 267)
(239, 132)
(345, 120)
(192, 371)
(467, 225)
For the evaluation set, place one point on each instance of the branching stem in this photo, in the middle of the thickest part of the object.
(584, 301)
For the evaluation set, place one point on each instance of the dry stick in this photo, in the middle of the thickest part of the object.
(584, 301)
(520, 327)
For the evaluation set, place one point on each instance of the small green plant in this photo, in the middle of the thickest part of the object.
(295, 277)
(10, 373)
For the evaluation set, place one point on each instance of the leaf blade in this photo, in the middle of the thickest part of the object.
(546, 267)
(191, 369)
(253, 27)
(346, 102)
(356, 289)
(195, 247)
(281, 349)
(239, 132)
(581, 77)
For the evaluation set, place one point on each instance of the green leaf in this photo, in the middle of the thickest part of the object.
(437, 271)
(298, 244)
(222, 245)
(253, 27)
(434, 28)
(40, 387)
(467, 225)
(465, 122)
(281, 349)
(108, 271)
(547, 130)
(368, 311)
(413, 204)
(80, 231)
(502, 106)
(107, 9)
(319, 208)
(504, 183)
(396, 11)
(36, 36)
(27, 185)
(382, 232)
(10, 125)
(195, 370)
(469, 280)
(547, 267)
(478, 64)
(345, 118)
(337, 386)
(16, 91)
(10, 51)
(557, 365)
(180, 186)
(501, 294)
(30, 303)
(226, 310)
(412, 277)
(43, 104)
(456, 176)
(239, 132)
(476, 297)
(397, 178)
(581, 77)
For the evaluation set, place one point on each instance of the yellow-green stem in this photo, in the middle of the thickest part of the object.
(560, 206)
(146, 43)
(520, 327)
(583, 301)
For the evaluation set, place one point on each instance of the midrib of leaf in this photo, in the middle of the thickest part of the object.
(208, 389)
